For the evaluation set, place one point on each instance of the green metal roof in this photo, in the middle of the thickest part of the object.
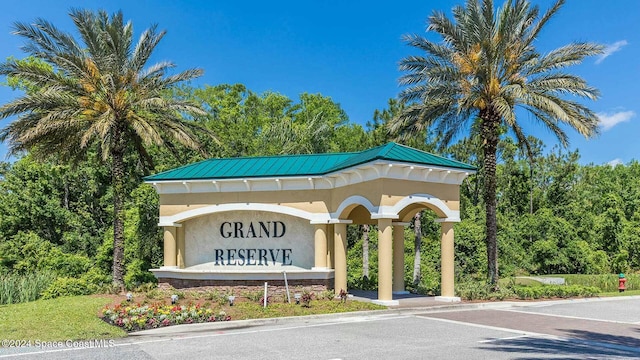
(301, 165)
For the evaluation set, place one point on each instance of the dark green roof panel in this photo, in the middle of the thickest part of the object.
(301, 165)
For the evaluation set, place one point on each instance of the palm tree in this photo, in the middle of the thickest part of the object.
(96, 92)
(417, 245)
(365, 250)
(485, 69)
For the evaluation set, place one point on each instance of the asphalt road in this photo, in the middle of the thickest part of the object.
(559, 330)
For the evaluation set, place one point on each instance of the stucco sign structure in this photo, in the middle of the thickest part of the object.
(247, 220)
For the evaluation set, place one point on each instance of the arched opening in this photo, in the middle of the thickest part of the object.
(383, 250)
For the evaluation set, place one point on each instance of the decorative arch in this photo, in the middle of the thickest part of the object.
(175, 220)
(351, 202)
(432, 202)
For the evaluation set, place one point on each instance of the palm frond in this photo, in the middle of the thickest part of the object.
(94, 89)
(487, 64)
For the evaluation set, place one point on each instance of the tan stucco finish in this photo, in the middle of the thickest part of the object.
(382, 201)
(380, 192)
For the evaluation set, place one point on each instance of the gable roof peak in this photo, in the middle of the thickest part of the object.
(303, 164)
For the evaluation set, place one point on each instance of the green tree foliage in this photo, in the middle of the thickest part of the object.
(251, 124)
(57, 217)
(485, 68)
(555, 215)
(96, 90)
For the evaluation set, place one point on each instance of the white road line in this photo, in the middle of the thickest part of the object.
(566, 316)
(504, 338)
(488, 327)
(217, 334)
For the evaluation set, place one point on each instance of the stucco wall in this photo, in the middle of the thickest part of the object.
(386, 192)
(203, 237)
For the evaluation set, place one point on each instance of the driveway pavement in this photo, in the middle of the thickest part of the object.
(573, 329)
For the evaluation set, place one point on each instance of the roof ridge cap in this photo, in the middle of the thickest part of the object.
(386, 149)
(278, 156)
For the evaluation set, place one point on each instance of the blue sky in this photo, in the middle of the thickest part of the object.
(349, 50)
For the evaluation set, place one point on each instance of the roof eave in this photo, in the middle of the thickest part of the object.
(379, 169)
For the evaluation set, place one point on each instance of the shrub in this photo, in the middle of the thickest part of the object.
(253, 295)
(66, 286)
(138, 273)
(216, 296)
(328, 295)
(269, 300)
(66, 265)
(553, 291)
(97, 278)
(306, 298)
(24, 251)
(473, 290)
(146, 287)
(604, 282)
(154, 294)
(480, 290)
(363, 283)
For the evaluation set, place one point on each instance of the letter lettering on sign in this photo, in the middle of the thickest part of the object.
(238, 227)
(262, 255)
(251, 233)
(231, 253)
(286, 254)
(241, 256)
(264, 227)
(219, 255)
(274, 256)
(251, 253)
(225, 233)
(282, 229)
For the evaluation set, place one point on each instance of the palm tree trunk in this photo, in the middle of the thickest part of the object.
(117, 180)
(365, 250)
(417, 228)
(490, 135)
(531, 199)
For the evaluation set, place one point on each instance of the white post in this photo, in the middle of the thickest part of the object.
(286, 286)
(265, 294)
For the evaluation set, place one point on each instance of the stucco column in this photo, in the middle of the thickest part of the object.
(385, 263)
(320, 246)
(447, 292)
(398, 258)
(340, 256)
(170, 246)
(330, 247)
(180, 247)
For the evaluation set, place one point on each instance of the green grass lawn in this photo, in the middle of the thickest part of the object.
(253, 310)
(67, 318)
(77, 318)
(617, 293)
(607, 282)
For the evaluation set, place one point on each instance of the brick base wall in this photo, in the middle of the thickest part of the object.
(238, 287)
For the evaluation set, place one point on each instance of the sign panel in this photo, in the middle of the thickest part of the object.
(248, 240)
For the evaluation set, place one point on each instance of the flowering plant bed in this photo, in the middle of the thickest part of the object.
(134, 317)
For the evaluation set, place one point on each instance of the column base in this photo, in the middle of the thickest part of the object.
(169, 267)
(386, 302)
(447, 298)
(402, 292)
(320, 268)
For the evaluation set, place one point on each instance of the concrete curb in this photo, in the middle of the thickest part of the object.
(178, 330)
